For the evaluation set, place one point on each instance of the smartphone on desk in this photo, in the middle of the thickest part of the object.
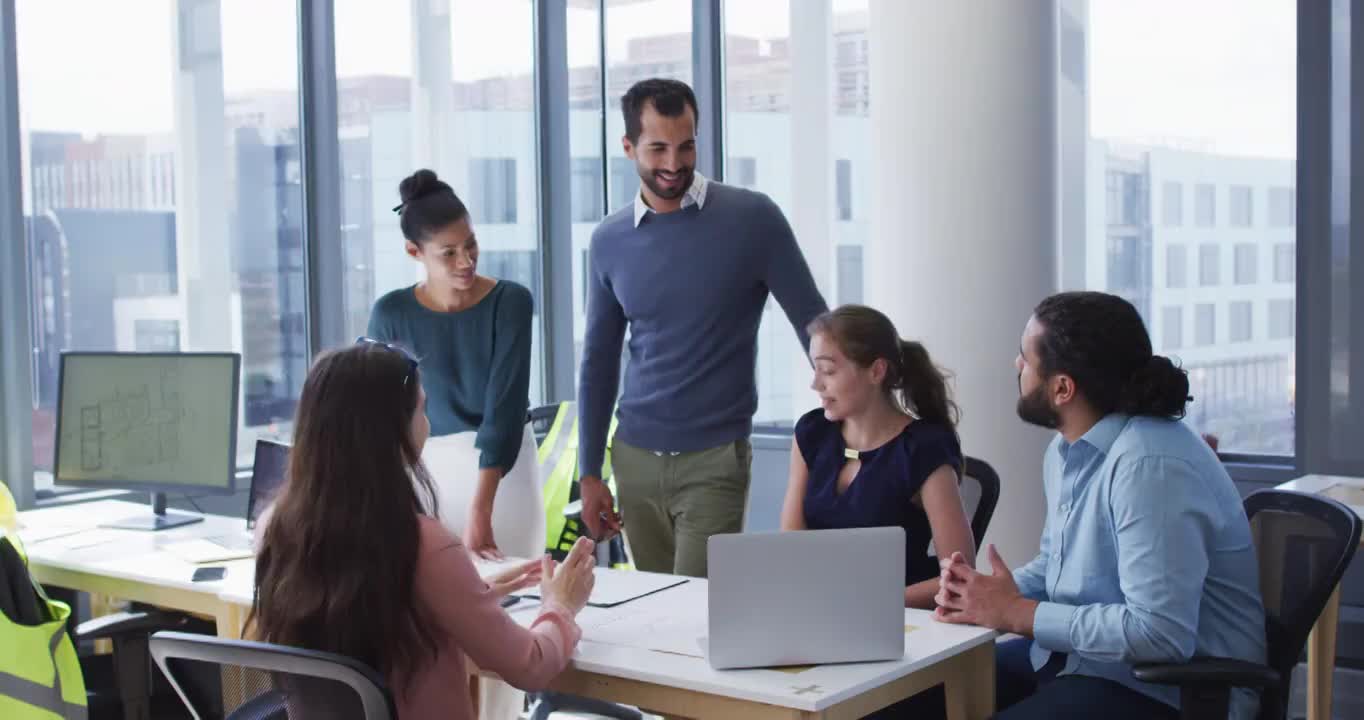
(208, 574)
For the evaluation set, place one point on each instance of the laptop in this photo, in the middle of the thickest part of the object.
(267, 476)
(806, 598)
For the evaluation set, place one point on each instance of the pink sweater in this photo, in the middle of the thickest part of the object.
(475, 625)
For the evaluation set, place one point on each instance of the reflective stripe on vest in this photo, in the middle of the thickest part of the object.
(40, 696)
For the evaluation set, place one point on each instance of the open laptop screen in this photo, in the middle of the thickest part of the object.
(267, 477)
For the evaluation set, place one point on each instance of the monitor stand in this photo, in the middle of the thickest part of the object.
(160, 519)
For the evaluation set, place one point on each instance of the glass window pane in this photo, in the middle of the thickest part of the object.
(808, 134)
(161, 192)
(1210, 125)
(458, 99)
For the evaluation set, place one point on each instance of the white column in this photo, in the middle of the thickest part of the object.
(965, 212)
(435, 130)
(812, 186)
(1073, 106)
(203, 252)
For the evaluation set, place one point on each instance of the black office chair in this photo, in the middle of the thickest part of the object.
(221, 679)
(1304, 544)
(980, 493)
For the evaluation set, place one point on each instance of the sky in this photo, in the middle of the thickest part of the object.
(1217, 74)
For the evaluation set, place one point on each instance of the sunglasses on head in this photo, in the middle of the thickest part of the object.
(390, 347)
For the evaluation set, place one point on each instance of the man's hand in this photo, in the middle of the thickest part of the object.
(969, 597)
(599, 508)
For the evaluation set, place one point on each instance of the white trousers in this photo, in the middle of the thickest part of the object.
(518, 524)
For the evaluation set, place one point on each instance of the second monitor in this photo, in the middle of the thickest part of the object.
(157, 422)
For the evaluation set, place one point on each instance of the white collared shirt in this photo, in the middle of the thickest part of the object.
(696, 195)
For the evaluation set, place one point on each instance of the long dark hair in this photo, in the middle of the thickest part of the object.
(428, 206)
(912, 381)
(336, 565)
(1100, 341)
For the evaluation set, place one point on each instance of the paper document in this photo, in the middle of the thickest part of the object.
(1348, 494)
(651, 630)
(612, 588)
(198, 550)
(616, 587)
(32, 535)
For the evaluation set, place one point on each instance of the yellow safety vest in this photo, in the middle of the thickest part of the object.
(558, 459)
(40, 675)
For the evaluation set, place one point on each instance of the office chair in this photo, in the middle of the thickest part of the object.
(217, 678)
(980, 493)
(1304, 544)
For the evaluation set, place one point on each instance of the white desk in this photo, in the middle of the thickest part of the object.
(130, 565)
(1321, 644)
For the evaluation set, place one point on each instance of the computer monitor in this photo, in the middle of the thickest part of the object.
(158, 422)
(267, 477)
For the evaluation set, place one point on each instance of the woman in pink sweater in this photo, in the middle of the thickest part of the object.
(354, 560)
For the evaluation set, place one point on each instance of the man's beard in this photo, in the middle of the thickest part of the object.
(1034, 409)
(650, 179)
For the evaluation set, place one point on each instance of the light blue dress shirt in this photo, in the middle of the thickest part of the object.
(1146, 556)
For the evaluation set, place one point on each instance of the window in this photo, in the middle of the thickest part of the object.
(460, 102)
(1246, 265)
(796, 100)
(113, 268)
(843, 181)
(1172, 322)
(1205, 205)
(1173, 204)
(1176, 266)
(742, 171)
(1209, 264)
(495, 204)
(1242, 206)
(586, 193)
(624, 183)
(1282, 318)
(1285, 262)
(1282, 207)
(1205, 324)
(849, 274)
(643, 39)
(1241, 330)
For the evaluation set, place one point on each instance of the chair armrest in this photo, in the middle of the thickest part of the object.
(124, 623)
(1209, 671)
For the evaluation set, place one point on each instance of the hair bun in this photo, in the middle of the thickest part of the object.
(420, 184)
(1158, 388)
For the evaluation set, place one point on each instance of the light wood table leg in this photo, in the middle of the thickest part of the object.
(970, 684)
(1321, 659)
(231, 619)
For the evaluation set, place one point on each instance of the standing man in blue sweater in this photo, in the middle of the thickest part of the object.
(687, 268)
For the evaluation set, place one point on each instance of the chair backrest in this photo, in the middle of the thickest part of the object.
(980, 494)
(1304, 544)
(541, 419)
(218, 678)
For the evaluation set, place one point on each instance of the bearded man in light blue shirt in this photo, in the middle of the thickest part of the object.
(1146, 553)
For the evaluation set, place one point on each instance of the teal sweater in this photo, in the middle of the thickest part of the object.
(475, 364)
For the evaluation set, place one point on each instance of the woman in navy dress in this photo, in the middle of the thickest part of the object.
(882, 449)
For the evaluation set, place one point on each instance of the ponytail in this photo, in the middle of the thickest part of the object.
(912, 380)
